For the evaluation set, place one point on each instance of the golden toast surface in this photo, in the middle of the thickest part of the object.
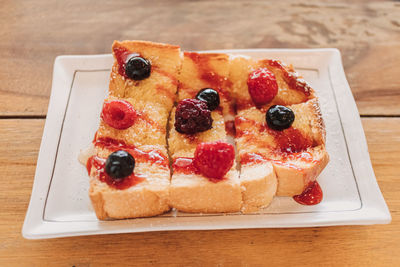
(271, 162)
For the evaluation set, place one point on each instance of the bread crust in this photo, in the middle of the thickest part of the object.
(258, 185)
(195, 193)
(121, 204)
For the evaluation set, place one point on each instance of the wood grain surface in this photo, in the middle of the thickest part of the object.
(33, 33)
(376, 245)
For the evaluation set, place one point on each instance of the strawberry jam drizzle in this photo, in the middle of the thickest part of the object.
(173, 79)
(145, 117)
(185, 165)
(312, 195)
(122, 55)
(162, 90)
(213, 79)
(122, 183)
(151, 156)
(281, 159)
(230, 128)
(290, 140)
(291, 78)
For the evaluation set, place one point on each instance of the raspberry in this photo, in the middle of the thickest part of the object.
(214, 159)
(118, 114)
(192, 116)
(262, 86)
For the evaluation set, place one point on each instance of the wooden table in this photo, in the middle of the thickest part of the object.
(33, 33)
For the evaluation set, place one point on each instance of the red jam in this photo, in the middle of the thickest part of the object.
(291, 79)
(214, 80)
(185, 166)
(230, 128)
(290, 140)
(173, 79)
(96, 162)
(123, 183)
(281, 158)
(162, 90)
(251, 158)
(122, 55)
(151, 156)
(312, 195)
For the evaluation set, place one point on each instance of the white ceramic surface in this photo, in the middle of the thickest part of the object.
(60, 205)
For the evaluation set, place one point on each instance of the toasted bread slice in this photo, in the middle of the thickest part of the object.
(160, 88)
(193, 192)
(148, 197)
(292, 89)
(152, 99)
(258, 185)
(297, 154)
(206, 70)
(258, 145)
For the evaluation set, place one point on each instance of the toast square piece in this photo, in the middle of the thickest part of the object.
(147, 197)
(146, 191)
(260, 146)
(191, 191)
(206, 70)
(149, 127)
(160, 88)
(292, 89)
(297, 154)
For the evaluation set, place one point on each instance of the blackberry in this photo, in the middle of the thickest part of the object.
(192, 116)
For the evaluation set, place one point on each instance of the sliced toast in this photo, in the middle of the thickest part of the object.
(152, 99)
(287, 160)
(191, 191)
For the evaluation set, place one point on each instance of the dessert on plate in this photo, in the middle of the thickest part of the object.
(203, 132)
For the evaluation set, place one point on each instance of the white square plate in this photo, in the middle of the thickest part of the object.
(60, 205)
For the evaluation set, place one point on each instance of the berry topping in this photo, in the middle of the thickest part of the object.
(192, 116)
(137, 68)
(118, 114)
(119, 164)
(262, 86)
(279, 117)
(214, 159)
(312, 195)
(210, 96)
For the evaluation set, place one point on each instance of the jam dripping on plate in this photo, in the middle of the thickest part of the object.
(312, 195)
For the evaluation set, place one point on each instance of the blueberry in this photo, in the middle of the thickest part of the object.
(137, 68)
(120, 164)
(279, 117)
(210, 96)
